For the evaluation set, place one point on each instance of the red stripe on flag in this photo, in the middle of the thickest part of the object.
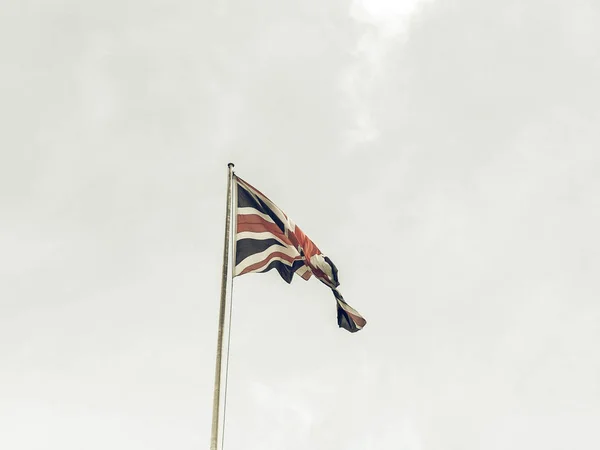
(257, 224)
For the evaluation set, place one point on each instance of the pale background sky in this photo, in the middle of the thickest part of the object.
(445, 155)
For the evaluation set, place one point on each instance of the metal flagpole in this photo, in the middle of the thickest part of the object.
(218, 366)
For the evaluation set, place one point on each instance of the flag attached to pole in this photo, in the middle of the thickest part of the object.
(266, 238)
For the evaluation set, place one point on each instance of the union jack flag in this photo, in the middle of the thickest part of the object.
(266, 238)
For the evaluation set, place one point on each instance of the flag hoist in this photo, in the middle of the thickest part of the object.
(266, 238)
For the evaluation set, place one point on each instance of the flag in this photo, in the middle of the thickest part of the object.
(266, 238)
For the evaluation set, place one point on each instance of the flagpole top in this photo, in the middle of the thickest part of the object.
(231, 165)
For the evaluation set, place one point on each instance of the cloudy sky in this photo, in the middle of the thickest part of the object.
(444, 154)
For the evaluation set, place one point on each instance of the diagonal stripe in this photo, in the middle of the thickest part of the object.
(249, 247)
(348, 317)
(247, 197)
(304, 272)
(258, 257)
(358, 320)
(286, 272)
(266, 201)
(260, 265)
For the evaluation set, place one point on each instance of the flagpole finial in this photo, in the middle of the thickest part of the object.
(231, 165)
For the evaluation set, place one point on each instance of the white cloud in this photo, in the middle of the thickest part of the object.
(385, 21)
(390, 15)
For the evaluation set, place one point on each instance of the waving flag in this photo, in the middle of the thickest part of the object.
(266, 238)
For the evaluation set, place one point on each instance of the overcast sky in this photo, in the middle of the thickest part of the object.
(445, 155)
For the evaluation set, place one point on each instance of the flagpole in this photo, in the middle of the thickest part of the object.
(218, 366)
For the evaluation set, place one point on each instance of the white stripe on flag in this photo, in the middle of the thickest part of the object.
(278, 212)
(258, 257)
(249, 211)
(259, 236)
(269, 261)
